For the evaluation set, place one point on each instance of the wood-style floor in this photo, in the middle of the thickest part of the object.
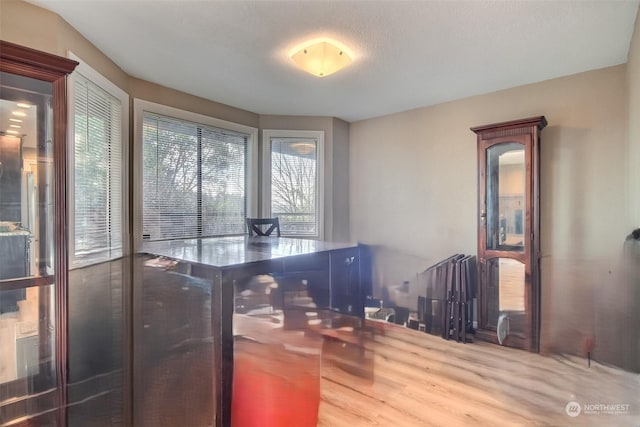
(404, 377)
(376, 374)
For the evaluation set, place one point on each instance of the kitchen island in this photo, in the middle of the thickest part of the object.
(240, 276)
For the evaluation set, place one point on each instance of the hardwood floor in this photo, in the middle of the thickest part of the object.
(409, 378)
(306, 367)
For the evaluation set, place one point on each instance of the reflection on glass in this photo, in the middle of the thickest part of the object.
(26, 340)
(284, 332)
(511, 283)
(26, 180)
(27, 333)
(506, 292)
(505, 193)
(19, 334)
(97, 344)
(173, 353)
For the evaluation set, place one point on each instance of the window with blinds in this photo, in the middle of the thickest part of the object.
(193, 179)
(294, 185)
(97, 167)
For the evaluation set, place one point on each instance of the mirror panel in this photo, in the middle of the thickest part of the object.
(505, 189)
(27, 341)
(27, 294)
(173, 349)
(505, 287)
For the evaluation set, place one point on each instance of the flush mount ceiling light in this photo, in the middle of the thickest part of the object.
(321, 57)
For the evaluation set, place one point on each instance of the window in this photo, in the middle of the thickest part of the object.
(196, 178)
(293, 177)
(97, 173)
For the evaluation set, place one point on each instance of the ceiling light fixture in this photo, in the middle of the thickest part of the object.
(15, 120)
(321, 57)
(19, 113)
(15, 132)
(15, 126)
(23, 105)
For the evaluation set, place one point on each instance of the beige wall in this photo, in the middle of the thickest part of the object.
(633, 81)
(631, 294)
(142, 89)
(340, 176)
(416, 172)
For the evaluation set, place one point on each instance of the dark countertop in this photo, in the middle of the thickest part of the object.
(237, 250)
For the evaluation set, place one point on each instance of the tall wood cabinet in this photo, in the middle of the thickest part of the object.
(33, 333)
(509, 232)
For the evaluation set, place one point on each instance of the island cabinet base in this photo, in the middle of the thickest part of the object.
(268, 290)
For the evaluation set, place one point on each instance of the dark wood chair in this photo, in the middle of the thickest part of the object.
(263, 226)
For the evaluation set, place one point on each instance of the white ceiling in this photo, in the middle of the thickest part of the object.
(408, 53)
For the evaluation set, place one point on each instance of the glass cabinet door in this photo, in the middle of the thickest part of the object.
(27, 291)
(32, 240)
(505, 197)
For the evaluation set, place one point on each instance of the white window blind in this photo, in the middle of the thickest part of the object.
(294, 185)
(194, 179)
(97, 174)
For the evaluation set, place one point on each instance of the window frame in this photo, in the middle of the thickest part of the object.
(112, 89)
(141, 106)
(267, 135)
